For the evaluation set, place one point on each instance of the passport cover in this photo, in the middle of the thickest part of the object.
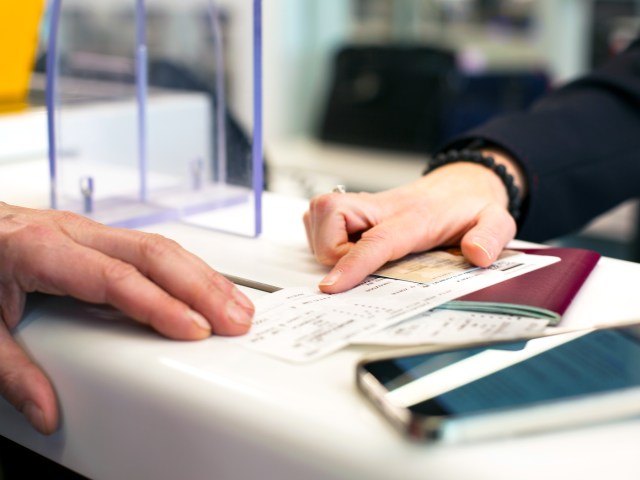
(543, 293)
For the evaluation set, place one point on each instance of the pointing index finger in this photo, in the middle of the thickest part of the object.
(365, 257)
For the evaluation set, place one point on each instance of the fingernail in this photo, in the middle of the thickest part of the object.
(478, 243)
(35, 416)
(237, 314)
(199, 320)
(332, 278)
(242, 300)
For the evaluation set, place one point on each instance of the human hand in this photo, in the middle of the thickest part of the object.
(460, 203)
(146, 276)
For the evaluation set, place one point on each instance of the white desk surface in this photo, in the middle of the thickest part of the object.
(136, 405)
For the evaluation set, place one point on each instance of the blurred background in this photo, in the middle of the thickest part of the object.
(359, 92)
(356, 92)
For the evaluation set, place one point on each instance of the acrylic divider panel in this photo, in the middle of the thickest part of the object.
(154, 111)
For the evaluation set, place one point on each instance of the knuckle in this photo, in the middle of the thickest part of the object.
(213, 281)
(65, 217)
(372, 245)
(117, 269)
(210, 290)
(12, 301)
(115, 273)
(322, 204)
(13, 376)
(379, 241)
(330, 255)
(153, 245)
(327, 257)
(29, 232)
(377, 237)
(25, 244)
(9, 383)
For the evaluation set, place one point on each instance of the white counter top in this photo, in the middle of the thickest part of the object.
(136, 405)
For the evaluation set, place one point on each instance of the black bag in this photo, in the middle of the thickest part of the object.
(389, 97)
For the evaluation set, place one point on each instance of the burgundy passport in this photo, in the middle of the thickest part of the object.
(543, 293)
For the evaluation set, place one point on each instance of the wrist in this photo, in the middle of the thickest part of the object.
(512, 167)
(500, 164)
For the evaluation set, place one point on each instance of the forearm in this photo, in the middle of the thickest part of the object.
(577, 148)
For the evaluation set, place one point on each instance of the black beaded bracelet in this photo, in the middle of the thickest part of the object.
(475, 156)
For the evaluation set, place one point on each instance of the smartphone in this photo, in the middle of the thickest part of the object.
(507, 389)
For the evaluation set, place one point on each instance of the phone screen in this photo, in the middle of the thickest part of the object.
(515, 374)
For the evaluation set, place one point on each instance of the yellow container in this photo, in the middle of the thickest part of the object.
(19, 25)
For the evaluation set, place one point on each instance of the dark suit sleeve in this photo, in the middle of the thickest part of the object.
(579, 147)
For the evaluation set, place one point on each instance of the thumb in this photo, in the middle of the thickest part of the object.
(25, 386)
(483, 243)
